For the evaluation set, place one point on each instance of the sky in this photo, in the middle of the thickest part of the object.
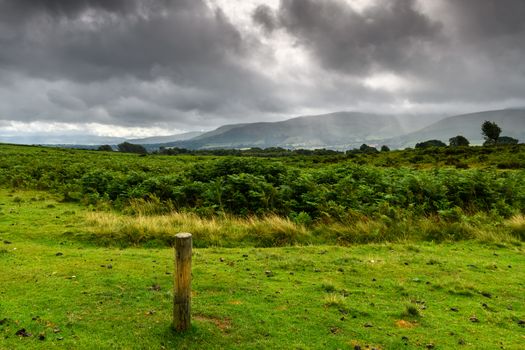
(137, 68)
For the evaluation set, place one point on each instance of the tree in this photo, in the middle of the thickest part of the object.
(491, 132)
(507, 140)
(105, 148)
(458, 141)
(385, 148)
(367, 149)
(430, 143)
(131, 148)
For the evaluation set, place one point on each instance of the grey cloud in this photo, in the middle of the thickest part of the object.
(64, 100)
(471, 52)
(265, 17)
(193, 47)
(181, 63)
(387, 35)
(488, 18)
(177, 37)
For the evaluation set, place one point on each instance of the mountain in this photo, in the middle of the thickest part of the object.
(56, 138)
(341, 130)
(511, 121)
(166, 139)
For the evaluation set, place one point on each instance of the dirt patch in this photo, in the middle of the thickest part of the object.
(223, 324)
(405, 324)
(235, 302)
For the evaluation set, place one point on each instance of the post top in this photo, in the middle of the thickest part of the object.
(183, 235)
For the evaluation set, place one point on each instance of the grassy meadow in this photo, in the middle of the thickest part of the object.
(323, 252)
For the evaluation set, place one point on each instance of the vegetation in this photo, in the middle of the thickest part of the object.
(367, 149)
(71, 294)
(490, 131)
(127, 147)
(337, 248)
(459, 141)
(507, 140)
(341, 192)
(430, 143)
(105, 148)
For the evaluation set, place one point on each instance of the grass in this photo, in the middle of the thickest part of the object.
(111, 228)
(69, 293)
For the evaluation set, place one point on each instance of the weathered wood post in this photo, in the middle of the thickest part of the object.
(182, 297)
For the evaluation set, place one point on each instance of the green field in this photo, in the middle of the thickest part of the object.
(93, 269)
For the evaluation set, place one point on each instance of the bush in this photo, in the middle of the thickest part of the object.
(430, 143)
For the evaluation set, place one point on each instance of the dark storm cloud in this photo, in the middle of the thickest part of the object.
(191, 65)
(264, 16)
(386, 35)
(178, 35)
(485, 19)
(58, 8)
(192, 46)
(465, 51)
(484, 56)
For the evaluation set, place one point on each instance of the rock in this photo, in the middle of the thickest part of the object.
(268, 273)
(110, 266)
(23, 333)
(430, 346)
(221, 259)
(7, 242)
(521, 322)
(59, 254)
(486, 294)
(474, 319)
(455, 309)
(357, 347)
(368, 325)
(155, 288)
(41, 336)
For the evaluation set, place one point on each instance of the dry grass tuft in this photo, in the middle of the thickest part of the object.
(517, 226)
(215, 231)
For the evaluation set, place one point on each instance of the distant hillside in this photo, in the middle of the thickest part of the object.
(341, 130)
(166, 139)
(511, 121)
(50, 138)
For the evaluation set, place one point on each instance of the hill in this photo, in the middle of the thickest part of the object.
(511, 121)
(341, 130)
(166, 139)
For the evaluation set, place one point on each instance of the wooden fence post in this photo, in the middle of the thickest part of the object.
(182, 297)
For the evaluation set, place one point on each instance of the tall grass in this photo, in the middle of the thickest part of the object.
(110, 228)
(517, 226)
(226, 231)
